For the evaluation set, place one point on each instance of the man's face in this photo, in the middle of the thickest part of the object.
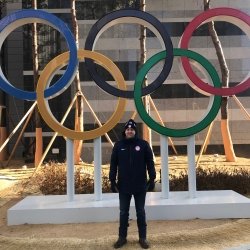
(130, 133)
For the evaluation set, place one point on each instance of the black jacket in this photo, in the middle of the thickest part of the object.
(132, 159)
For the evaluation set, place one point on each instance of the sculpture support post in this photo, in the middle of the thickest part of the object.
(98, 168)
(70, 169)
(191, 166)
(164, 167)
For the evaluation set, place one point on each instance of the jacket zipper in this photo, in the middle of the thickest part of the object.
(130, 156)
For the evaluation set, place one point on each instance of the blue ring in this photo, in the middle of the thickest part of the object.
(50, 19)
(112, 17)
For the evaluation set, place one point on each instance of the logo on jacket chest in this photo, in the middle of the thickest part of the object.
(137, 148)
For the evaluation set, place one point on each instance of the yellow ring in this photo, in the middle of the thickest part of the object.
(43, 106)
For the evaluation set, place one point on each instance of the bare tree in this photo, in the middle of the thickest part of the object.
(146, 131)
(78, 144)
(226, 136)
(39, 135)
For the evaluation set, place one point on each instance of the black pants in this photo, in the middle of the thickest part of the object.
(140, 213)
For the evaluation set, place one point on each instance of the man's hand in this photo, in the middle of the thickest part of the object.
(150, 185)
(114, 187)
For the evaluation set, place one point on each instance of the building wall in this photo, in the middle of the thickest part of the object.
(178, 104)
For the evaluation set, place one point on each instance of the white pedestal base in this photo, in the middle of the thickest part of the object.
(56, 209)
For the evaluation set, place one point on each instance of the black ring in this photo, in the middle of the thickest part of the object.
(112, 18)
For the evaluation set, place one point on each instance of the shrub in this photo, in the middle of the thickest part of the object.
(214, 179)
(52, 179)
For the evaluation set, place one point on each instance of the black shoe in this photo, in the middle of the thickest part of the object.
(144, 243)
(120, 242)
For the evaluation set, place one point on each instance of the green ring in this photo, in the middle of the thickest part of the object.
(209, 117)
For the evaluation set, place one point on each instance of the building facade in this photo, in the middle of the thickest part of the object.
(178, 104)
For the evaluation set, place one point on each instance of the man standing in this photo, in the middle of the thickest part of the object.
(131, 160)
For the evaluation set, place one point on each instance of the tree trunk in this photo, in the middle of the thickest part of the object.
(39, 136)
(226, 136)
(146, 131)
(78, 144)
(3, 129)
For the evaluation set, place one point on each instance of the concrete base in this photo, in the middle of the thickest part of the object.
(56, 209)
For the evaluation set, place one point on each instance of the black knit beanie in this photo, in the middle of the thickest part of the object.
(130, 124)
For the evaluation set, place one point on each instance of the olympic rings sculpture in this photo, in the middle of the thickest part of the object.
(44, 91)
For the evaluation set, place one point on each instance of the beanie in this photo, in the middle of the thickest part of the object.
(130, 124)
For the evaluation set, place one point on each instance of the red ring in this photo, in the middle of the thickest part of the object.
(195, 23)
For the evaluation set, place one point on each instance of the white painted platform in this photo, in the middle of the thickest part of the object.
(56, 209)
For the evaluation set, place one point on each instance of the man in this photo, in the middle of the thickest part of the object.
(131, 159)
